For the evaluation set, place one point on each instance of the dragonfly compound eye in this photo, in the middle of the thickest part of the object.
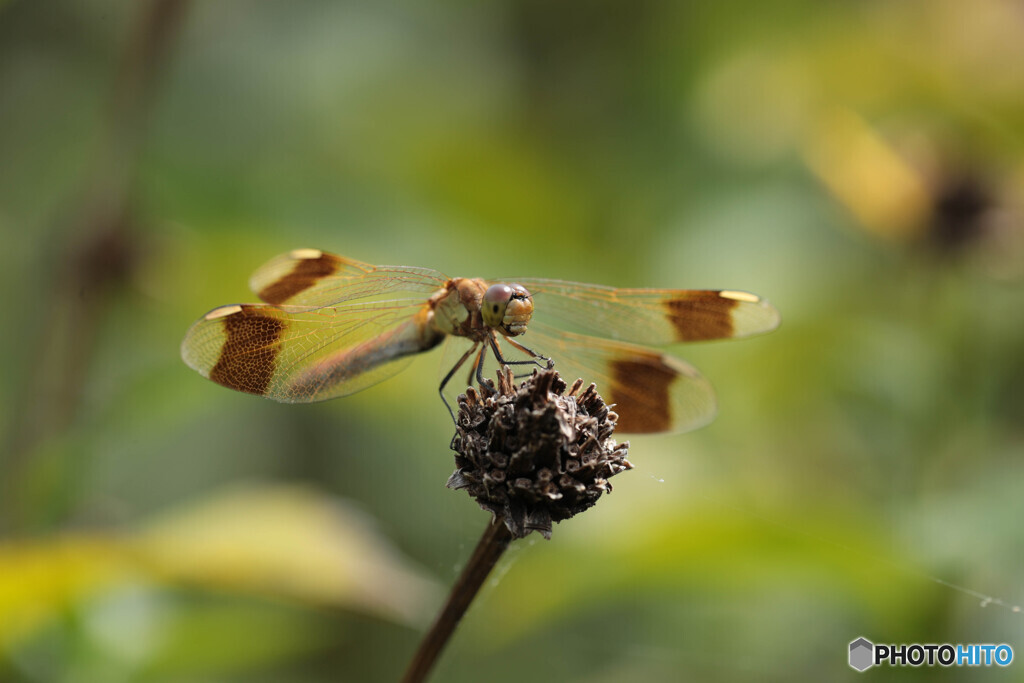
(495, 302)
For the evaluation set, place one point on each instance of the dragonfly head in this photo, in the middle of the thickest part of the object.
(507, 308)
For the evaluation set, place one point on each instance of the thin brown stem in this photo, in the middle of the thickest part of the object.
(488, 550)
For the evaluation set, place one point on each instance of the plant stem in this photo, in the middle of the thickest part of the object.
(489, 549)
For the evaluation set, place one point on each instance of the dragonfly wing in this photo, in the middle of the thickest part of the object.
(296, 355)
(650, 316)
(652, 392)
(311, 278)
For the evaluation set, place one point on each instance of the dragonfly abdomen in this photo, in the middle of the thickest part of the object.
(346, 365)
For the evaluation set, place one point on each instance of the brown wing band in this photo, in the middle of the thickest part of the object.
(306, 273)
(701, 316)
(248, 357)
(640, 392)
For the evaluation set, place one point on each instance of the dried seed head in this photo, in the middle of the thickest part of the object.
(535, 454)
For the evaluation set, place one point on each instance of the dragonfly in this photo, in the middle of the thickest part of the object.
(331, 326)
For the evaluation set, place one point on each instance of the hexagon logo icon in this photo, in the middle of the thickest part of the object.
(862, 653)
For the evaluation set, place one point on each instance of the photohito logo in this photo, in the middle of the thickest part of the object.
(864, 654)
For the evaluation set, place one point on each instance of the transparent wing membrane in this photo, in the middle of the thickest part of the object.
(650, 316)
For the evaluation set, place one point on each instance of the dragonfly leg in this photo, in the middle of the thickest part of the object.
(528, 351)
(496, 348)
(478, 368)
(448, 377)
(534, 356)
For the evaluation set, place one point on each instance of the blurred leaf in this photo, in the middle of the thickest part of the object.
(39, 578)
(276, 541)
(288, 541)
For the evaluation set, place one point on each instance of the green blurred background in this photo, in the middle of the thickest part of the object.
(859, 164)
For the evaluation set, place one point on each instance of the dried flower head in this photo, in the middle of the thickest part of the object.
(535, 454)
